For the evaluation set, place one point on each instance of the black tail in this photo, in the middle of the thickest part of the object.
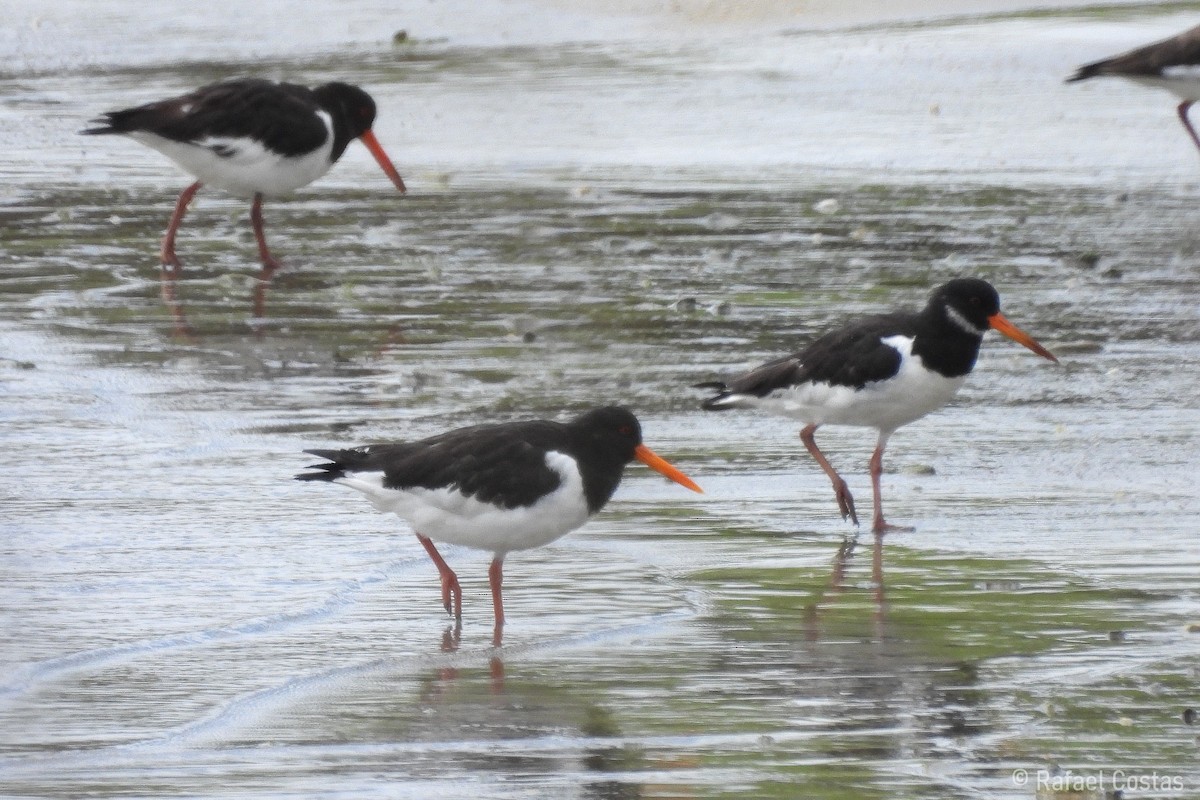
(106, 124)
(124, 121)
(712, 403)
(339, 461)
(1087, 71)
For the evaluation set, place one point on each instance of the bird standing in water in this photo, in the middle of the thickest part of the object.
(252, 138)
(879, 372)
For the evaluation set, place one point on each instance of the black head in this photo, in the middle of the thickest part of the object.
(347, 103)
(603, 441)
(611, 433)
(965, 303)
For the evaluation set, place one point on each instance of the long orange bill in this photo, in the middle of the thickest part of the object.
(647, 456)
(1000, 323)
(376, 149)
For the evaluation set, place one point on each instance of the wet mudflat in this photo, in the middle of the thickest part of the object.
(179, 618)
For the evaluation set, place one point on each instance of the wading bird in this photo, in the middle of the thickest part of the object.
(251, 138)
(879, 372)
(511, 486)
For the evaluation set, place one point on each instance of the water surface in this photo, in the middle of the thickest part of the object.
(600, 212)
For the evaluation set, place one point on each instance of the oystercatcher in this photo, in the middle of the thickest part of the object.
(253, 138)
(1172, 64)
(879, 372)
(506, 487)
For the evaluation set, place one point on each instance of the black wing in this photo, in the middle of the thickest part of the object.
(758, 382)
(500, 464)
(1180, 50)
(280, 115)
(853, 356)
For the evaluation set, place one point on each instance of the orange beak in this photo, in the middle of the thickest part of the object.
(646, 456)
(1000, 323)
(376, 149)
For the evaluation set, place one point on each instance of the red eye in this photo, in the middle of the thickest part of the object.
(625, 430)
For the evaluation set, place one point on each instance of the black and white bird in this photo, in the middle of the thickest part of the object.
(878, 372)
(252, 138)
(501, 488)
(1172, 64)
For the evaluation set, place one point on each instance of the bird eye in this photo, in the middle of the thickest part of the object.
(625, 430)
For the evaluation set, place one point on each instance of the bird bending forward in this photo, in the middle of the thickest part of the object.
(252, 138)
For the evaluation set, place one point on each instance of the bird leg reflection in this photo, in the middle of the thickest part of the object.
(451, 639)
(260, 299)
(837, 584)
(168, 283)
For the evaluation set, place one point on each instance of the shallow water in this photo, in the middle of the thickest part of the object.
(601, 212)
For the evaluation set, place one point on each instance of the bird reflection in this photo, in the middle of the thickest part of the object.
(827, 596)
(169, 284)
(169, 290)
(260, 294)
(452, 638)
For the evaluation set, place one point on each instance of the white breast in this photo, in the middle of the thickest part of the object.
(447, 515)
(886, 405)
(243, 166)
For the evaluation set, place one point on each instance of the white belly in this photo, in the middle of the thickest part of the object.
(446, 515)
(1183, 82)
(247, 168)
(886, 405)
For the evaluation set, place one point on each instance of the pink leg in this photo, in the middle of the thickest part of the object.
(450, 587)
(496, 579)
(1182, 110)
(879, 526)
(166, 254)
(270, 265)
(840, 490)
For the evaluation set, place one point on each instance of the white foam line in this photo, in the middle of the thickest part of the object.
(241, 709)
(38, 672)
(695, 604)
(1120, 659)
(108, 757)
(1105, 665)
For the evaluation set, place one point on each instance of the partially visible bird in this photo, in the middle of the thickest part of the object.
(1172, 64)
(502, 487)
(251, 138)
(878, 372)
